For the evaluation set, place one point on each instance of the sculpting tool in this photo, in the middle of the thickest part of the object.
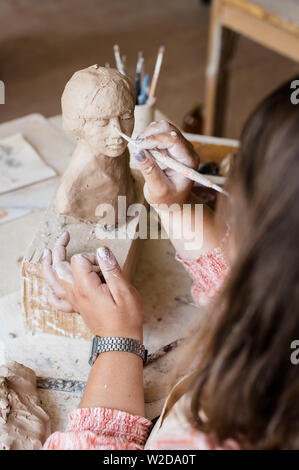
(142, 96)
(118, 61)
(139, 68)
(60, 385)
(175, 165)
(162, 351)
(156, 72)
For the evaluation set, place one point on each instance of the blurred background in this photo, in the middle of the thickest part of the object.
(43, 42)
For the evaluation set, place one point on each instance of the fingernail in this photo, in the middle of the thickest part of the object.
(45, 252)
(173, 133)
(62, 235)
(63, 274)
(140, 156)
(103, 252)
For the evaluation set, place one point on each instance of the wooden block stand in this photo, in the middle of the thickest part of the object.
(40, 316)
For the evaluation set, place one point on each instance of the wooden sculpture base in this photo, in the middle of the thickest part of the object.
(40, 316)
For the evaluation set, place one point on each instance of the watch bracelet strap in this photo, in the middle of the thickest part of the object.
(121, 344)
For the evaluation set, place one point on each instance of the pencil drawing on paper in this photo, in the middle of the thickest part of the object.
(20, 164)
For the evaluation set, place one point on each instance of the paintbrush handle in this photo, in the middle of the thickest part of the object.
(119, 64)
(141, 98)
(156, 73)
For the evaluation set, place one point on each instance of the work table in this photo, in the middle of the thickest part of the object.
(170, 313)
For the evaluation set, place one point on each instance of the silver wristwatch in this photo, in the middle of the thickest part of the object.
(105, 344)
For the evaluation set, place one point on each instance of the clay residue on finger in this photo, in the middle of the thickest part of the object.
(64, 271)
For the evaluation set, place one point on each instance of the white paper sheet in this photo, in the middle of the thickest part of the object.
(20, 164)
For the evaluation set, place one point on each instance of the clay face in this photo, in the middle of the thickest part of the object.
(94, 102)
(99, 132)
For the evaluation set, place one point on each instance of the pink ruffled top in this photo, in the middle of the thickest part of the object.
(208, 272)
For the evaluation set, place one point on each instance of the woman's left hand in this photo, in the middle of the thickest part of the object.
(113, 308)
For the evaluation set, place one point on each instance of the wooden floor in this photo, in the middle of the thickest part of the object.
(43, 42)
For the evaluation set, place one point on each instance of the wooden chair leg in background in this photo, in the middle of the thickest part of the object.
(222, 43)
(229, 43)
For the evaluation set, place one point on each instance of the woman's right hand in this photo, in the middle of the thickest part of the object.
(165, 186)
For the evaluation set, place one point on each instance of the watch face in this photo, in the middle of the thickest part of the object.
(92, 360)
(93, 352)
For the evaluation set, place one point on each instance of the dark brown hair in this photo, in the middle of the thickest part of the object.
(246, 385)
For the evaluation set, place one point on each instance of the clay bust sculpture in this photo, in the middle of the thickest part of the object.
(94, 101)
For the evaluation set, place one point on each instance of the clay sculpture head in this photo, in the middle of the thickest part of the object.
(94, 102)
